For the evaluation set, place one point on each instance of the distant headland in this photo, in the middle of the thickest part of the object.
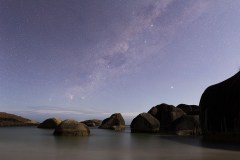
(7, 119)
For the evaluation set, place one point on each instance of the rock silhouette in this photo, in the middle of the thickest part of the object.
(145, 122)
(187, 125)
(220, 110)
(189, 109)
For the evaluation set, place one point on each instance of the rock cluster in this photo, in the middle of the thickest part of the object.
(168, 119)
(166, 114)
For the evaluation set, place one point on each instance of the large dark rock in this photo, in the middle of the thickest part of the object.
(145, 122)
(71, 128)
(50, 123)
(92, 122)
(7, 119)
(220, 110)
(115, 122)
(189, 109)
(187, 125)
(166, 114)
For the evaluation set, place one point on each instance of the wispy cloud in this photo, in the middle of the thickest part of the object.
(62, 110)
(50, 111)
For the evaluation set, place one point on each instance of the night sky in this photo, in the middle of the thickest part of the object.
(90, 58)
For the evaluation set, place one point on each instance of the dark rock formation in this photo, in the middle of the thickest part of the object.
(115, 122)
(92, 122)
(7, 119)
(71, 128)
(145, 122)
(189, 109)
(220, 110)
(50, 123)
(166, 114)
(187, 125)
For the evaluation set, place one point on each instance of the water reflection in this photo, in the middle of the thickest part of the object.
(199, 141)
(38, 144)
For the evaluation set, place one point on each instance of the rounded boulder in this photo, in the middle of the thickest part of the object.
(71, 128)
(115, 122)
(145, 122)
(50, 123)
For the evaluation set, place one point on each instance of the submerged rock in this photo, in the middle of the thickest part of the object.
(50, 123)
(166, 114)
(220, 110)
(189, 109)
(115, 122)
(187, 125)
(71, 128)
(7, 119)
(145, 122)
(92, 122)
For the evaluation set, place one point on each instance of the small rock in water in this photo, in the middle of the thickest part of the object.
(114, 122)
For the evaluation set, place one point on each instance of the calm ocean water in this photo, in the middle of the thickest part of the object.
(30, 143)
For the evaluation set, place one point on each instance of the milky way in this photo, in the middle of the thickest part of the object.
(97, 57)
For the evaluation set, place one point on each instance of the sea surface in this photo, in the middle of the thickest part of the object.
(30, 143)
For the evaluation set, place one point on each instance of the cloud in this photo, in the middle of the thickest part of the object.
(79, 113)
(49, 110)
